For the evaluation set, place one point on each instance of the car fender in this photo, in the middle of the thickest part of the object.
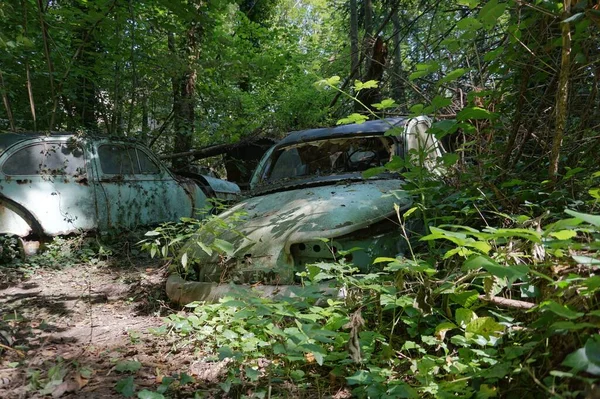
(15, 219)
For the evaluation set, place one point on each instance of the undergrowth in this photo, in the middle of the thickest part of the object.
(502, 301)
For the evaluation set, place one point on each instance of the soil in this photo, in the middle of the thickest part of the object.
(75, 325)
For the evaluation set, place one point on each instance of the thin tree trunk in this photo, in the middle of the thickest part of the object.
(562, 95)
(398, 73)
(49, 63)
(145, 117)
(134, 82)
(368, 4)
(354, 49)
(6, 101)
(518, 114)
(184, 96)
(30, 94)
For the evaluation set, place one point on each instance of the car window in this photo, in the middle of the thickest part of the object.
(329, 157)
(147, 165)
(46, 159)
(116, 160)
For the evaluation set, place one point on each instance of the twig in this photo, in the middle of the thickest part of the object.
(20, 353)
(507, 303)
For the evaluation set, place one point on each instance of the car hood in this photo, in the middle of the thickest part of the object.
(272, 222)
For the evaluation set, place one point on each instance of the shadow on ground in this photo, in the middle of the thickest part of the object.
(63, 329)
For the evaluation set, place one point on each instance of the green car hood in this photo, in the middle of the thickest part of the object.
(271, 223)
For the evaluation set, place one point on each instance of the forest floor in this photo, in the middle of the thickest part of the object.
(79, 330)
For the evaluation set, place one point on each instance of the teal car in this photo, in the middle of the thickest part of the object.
(309, 203)
(64, 183)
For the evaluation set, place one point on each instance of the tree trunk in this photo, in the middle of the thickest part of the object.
(375, 72)
(562, 95)
(30, 94)
(44, 28)
(398, 89)
(354, 49)
(6, 101)
(184, 98)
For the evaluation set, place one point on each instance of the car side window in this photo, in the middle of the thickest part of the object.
(116, 160)
(53, 159)
(147, 165)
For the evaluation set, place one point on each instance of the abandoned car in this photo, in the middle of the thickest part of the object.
(310, 202)
(59, 184)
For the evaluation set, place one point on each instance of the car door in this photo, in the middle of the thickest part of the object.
(136, 189)
(46, 179)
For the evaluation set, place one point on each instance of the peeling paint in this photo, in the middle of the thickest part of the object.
(310, 187)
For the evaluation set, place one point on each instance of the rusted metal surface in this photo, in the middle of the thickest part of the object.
(53, 185)
(311, 203)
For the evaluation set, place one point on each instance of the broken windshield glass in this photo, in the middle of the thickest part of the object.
(329, 157)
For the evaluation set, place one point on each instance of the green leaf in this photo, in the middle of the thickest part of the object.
(353, 118)
(492, 55)
(484, 326)
(373, 172)
(442, 328)
(128, 365)
(466, 298)
(371, 84)
(591, 219)
(224, 246)
(453, 75)
(469, 24)
(252, 373)
(595, 193)
(449, 159)
(439, 102)
(387, 103)
(125, 387)
(402, 390)
(318, 352)
(587, 358)
(475, 113)
(490, 13)
(383, 259)
(146, 394)
(510, 272)
(361, 377)
(205, 248)
(563, 234)
(470, 3)
(464, 316)
(560, 310)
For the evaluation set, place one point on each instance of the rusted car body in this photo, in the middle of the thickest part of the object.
(311, 203)
(61, 184)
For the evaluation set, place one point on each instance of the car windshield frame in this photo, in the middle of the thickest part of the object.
(327, 159)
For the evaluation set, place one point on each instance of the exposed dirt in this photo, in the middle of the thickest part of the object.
(76, 324)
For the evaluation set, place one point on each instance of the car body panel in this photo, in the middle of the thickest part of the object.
(272, 224)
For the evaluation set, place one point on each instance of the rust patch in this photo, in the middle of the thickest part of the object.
(23, 181)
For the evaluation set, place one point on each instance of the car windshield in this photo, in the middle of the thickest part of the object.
(328, 157)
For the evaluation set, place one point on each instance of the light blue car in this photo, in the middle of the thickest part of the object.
(61, 184)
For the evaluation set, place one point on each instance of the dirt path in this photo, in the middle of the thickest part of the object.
(70, 329)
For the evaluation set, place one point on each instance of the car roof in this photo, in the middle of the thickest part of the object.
(370, 127)
(8, 139)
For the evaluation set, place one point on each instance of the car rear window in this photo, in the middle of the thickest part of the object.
(46, 159)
